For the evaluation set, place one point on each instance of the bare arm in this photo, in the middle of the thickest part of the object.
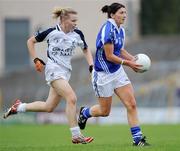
(109, 54)
(88, 56)
(31, 47)
(39, 64)
(126, 55)
(113, 58)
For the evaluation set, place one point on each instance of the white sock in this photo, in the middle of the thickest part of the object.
(21, 107)
(75, 131)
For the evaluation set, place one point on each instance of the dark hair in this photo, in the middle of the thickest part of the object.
(111, 9)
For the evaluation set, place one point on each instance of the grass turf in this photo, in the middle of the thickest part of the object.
(107, 138)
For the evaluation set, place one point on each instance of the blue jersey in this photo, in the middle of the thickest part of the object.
(109, 33)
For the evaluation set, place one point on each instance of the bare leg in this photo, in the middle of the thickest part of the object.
(103, 108)
(48, 106)
(64, 89)
(59, 88)
(126, 94)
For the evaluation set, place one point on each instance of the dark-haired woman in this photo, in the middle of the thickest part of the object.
(109, 77)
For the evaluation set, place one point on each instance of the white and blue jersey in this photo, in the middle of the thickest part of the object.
(109, 33)
(61, 45)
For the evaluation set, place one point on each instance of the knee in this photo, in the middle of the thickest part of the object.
(49, 108)
(131, 105)
(71, 100)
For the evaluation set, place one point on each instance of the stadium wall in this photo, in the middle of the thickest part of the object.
(118, 115)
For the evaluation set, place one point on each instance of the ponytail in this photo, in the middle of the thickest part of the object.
(111, 9)
(105, 8)
(62, 12)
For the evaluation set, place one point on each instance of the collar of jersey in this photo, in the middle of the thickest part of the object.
(58, 27)
(112, 21)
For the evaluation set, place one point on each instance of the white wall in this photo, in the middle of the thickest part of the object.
(1, 40)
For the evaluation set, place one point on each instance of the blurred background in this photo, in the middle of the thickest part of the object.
(152, 27)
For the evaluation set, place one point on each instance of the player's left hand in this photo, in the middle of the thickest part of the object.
(90, 71)
(90, 68)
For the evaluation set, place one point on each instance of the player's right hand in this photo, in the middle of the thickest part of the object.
(39, 64)
(133, 65)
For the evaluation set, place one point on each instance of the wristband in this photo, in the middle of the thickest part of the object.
(122, 62)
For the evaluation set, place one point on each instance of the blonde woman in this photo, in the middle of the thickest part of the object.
(62, 41)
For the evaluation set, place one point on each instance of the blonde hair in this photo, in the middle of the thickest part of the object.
(62, 12)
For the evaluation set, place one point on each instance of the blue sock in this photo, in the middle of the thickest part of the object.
(86, 112)
(136, 134)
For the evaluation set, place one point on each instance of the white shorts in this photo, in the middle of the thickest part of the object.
(104, 84)
(54, 71)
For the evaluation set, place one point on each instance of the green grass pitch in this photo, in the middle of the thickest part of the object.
(107, 138)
